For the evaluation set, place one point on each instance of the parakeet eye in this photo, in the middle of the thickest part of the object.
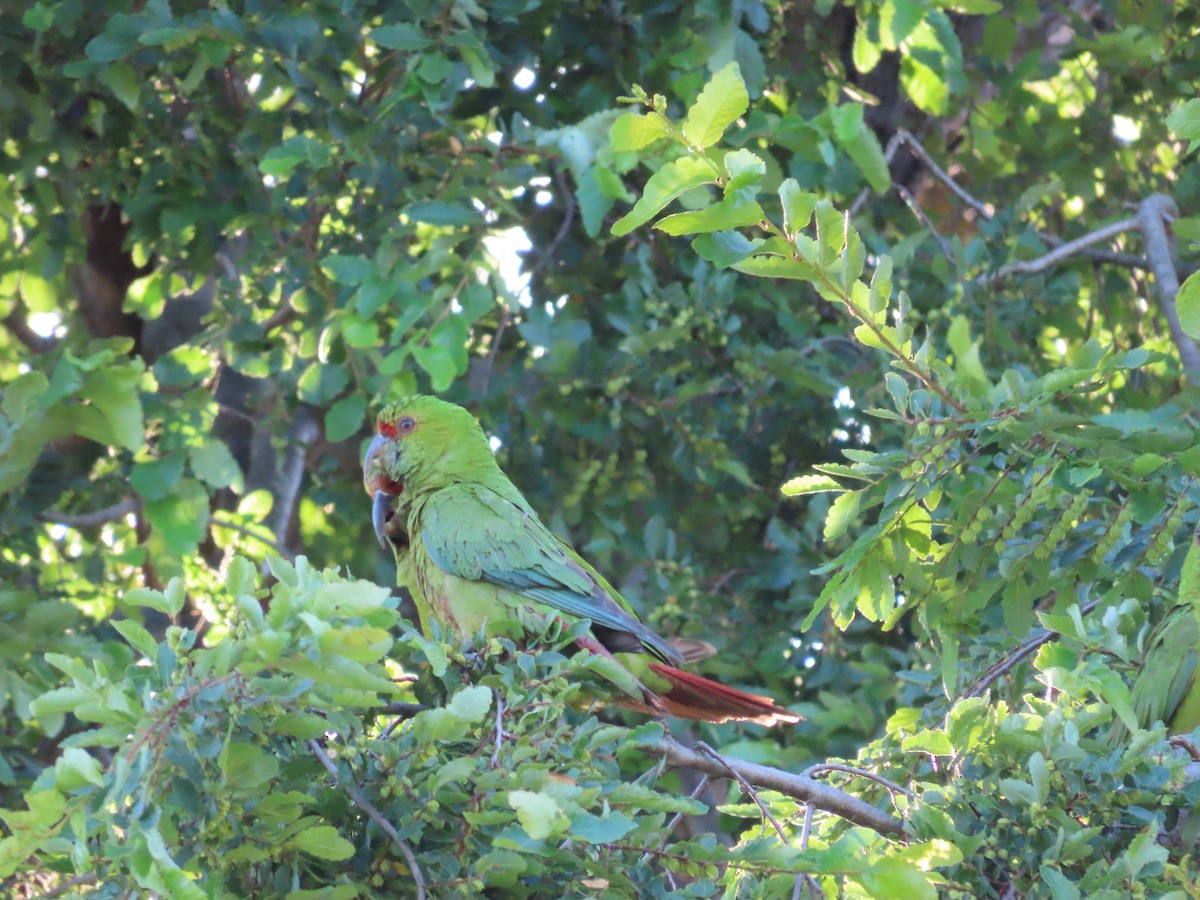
(407, 425)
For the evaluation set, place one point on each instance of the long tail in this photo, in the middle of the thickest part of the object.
(693, 697)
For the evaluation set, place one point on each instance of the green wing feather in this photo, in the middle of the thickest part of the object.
(1168, 669)
(473, 532)
(1167, 688)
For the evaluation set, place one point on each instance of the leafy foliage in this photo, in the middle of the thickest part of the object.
(230, 233)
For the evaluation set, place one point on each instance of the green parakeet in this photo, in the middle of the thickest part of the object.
(476, 556)
(1167, 688)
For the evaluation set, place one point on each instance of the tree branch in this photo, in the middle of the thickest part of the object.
(1153, 214)
(1070, 248)
(798, 787)
(374, 815)
(1017, 655)
(91, 519)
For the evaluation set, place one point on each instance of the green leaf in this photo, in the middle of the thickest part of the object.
(593, 829)
(125, 83)
(664, 186)
(776, 267)
(725, 248)
(39, 17)
(323, 842)
(722, 102)
(400, 37)
(471, 704)
(633, 132)
(861, 145)
(345, 418)
(155, 478)
(797, 205)
(119, 39)
(439, 363)
(971, 7)
(214, 464)
(348, 268)
(1184, 120)
(137, 636)
(246, 767)
(281, 160)
(728, 214)
(1187, 304)
(744, 169)
(76, 768)
(114, 391)
(538, 813)
(810, 484)
(843, 513)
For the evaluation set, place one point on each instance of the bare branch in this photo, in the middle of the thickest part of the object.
(374, 815)
(745, 786)
(798, 787)
(91, 519)
(1017, 656)
(69, 885)
(1153, 214)
(1058, 254)
(905, 137)
(858, 773)
(303, 432)
(916, 210)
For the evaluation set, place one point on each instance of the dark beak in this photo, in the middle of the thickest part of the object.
(381, 501)
(381, 510)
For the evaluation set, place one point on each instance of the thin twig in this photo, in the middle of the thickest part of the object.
(494, 348)
(77, 881)
(499, 730)
(678, 817)
(374, 815)
(91, 519)
(812, 771)
(806, 790)
(1153, 214)
(1018, 654)
(220, 521)
(916, 210)
(750, 791)
(905, 137)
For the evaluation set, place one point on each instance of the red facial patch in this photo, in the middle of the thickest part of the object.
(380, 482)
(387, 429)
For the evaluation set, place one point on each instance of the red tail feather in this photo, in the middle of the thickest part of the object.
(693, 697)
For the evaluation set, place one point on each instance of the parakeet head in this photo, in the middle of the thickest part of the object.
(421, 444)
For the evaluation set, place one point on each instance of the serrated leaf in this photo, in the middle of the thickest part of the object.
(323, 842)
(538, 813)
(722, 102)
(797, 205)
(1187, 304)
(842, 514)
(664, 186)
(810, 484)
(214, 464)
(471, 704)
(633, 132)
(728, 214)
